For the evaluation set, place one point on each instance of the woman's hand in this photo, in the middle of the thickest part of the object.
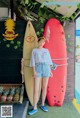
(34, 74)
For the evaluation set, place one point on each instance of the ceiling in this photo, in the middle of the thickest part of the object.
(64, 7)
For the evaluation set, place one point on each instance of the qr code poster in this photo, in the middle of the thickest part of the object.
(6, 111)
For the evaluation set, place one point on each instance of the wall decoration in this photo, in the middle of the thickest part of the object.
(69, 45)
(69, 50)
(10, 33)
(68, 36)
(8, 37)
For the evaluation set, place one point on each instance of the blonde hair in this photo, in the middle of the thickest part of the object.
(41, 38)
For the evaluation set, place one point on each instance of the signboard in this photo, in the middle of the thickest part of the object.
(77, 32)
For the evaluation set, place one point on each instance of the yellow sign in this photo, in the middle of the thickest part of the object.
(10, 33)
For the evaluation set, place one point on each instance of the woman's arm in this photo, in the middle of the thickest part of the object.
(32, 63)
(34, 72)
(32, 60)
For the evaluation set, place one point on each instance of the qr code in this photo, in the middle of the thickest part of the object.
(6, 111)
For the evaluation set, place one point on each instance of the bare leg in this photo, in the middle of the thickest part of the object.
(36, 91)
(44, 89)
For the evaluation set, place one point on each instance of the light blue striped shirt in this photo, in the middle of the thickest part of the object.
(40, 55)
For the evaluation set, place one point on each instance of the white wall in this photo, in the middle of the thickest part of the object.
(3, 12)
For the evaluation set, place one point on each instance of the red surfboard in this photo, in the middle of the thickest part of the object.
(55, 43)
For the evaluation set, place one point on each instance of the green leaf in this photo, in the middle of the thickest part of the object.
(70, 43)
(35, 3)
(45, 15)
(18, 42)
(26, 1)
(7, 45)
(28, 15)
(12, 42)
(50, 16)
(38, 25)
(4, 40)
(22, 3)
(42, 6)
(31, 7)
(68, 36)
(15, 47)
(54, 9)
(78, 6)
(42, 29)
(69, 50)
(40, 12)
(29, 4)
(37, 33)
(72, 17)
(64, 18)
(42, 20)
(74, 14)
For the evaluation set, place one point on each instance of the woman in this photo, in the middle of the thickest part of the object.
(40, 62)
